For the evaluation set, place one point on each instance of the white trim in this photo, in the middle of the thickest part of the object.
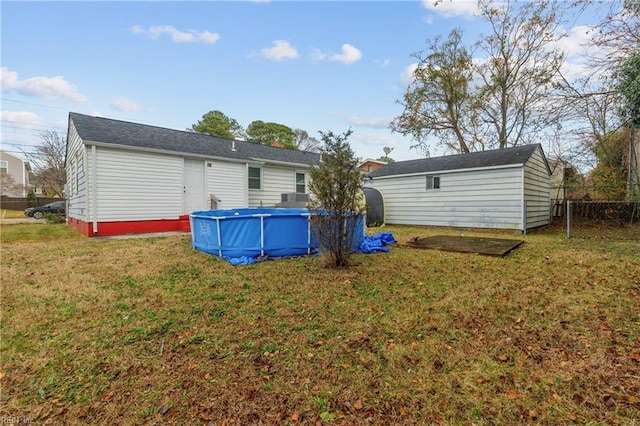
(434, 172)
(281, 163)
(94, 189)
(164, 151)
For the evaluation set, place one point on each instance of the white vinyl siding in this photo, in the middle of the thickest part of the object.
(138, 186)
(537, 191)
(276, 180)
(77, 179)
(475, 199)
(227, 181)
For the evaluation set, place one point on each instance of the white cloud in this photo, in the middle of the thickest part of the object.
(25, 119)
(577, 40)
(375, 139)
(348, 55)
(373, 122)
(465, 9)
(121, 103)
(280, 50)
(41, 86)
(177, 36)
(406, 78)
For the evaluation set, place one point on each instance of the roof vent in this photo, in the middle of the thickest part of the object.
(233, 146)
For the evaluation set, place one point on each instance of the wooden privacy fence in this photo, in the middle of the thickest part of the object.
(20, 203)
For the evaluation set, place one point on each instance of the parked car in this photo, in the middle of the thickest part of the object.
(56, 207)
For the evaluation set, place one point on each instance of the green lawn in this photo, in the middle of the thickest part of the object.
(149, 331)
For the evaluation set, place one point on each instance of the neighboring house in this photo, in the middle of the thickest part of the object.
(19, 170)
(125, 177)
(507, 188)
(370, 165)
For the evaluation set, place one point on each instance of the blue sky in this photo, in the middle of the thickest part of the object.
(316, 66)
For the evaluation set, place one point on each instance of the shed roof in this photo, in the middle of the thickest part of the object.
(474, 160)
(145, 137)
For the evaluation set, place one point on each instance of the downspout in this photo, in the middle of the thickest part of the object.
(524, 199)
(94, 190)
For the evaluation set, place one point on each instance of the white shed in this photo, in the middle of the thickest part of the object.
(126, 177)
(506, 189)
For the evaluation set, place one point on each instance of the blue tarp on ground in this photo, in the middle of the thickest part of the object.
(370, 244)
(376, 243)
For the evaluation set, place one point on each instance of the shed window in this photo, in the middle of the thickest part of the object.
(433, 182)
(4, 167)
(301, 188)
(255, 177)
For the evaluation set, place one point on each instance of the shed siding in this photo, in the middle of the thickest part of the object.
(227, 181)
(537, 193)
(77, 177)
(276, 180)
(138, 186)
(478, 199)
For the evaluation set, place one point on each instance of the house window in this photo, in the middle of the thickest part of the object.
(433, 182)
(300, 185)
(255, 177)
(4, 167)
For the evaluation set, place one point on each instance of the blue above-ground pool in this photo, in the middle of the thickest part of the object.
(252, 232)
(238, 234)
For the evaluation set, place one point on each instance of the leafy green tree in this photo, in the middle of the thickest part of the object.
(335, 186)
(629, 87)
(32, 200)
(268, 133)
(216, 123)
(609, 177)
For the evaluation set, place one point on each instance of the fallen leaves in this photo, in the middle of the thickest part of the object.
(512, 394)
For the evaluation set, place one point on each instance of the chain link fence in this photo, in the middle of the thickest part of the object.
(600, 218)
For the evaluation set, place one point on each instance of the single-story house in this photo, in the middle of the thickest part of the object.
(506, 188)
(126, 177)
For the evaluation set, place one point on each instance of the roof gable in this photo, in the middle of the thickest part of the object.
(146, 137)
(483, 159)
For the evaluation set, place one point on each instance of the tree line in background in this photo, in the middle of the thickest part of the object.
(216, 123)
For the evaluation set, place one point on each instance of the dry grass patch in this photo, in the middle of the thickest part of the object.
(151, 331)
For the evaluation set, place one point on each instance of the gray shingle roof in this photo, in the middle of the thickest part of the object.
(142, 136)
(498, 157)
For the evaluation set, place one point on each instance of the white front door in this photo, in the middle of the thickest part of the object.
(194, 198)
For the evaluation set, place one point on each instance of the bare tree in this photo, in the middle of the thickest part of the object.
(520, 70)
(8, 185)
(438, 101)
(48, 163)
(499, 100)
(304, 142)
